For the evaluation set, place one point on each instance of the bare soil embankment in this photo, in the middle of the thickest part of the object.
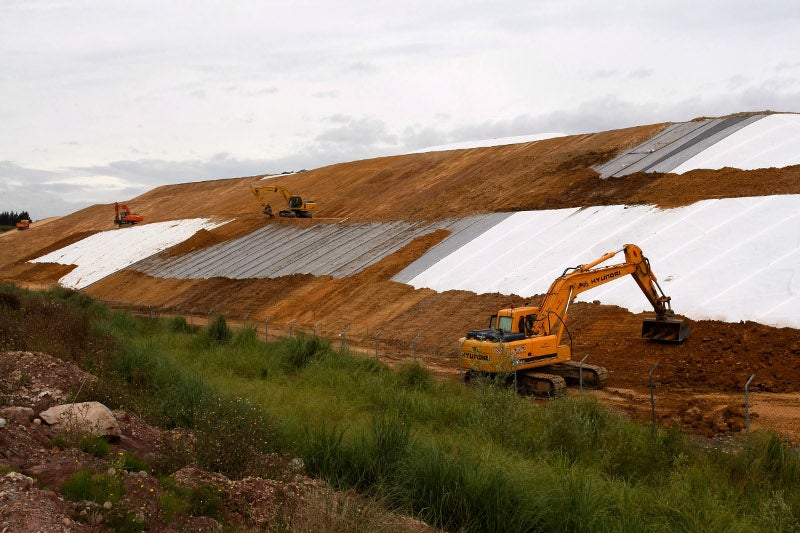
(548, 174)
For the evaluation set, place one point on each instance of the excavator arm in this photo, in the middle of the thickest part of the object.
(258, 192)
(562, 292)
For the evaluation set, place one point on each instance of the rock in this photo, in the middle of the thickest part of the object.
(107, 506)
(89, 417)
(21, 415)
(23, 481)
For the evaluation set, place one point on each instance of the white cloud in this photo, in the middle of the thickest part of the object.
(207, 89)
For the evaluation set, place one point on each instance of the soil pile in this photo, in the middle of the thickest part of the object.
(553, 173)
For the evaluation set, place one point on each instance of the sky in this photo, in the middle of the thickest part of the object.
(103, 100)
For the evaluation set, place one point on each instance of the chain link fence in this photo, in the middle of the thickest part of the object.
(722, 413)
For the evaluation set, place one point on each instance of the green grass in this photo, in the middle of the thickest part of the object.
(462, 458)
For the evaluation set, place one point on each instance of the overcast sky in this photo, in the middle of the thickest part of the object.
(104, 100)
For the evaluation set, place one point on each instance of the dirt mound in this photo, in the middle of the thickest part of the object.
(553, 173)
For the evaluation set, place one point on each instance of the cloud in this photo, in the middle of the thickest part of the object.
(326, 94)
(362, 132)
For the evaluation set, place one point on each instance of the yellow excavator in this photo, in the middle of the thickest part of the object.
(297, 207)
(525, 342)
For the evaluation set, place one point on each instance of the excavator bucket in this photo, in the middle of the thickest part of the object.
(667, 329)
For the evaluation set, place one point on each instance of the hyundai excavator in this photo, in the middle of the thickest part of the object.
(525, 342)
(124, 217)
(297, 207)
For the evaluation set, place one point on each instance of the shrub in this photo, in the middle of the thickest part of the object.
(178, 324)
(297, 352)
(94, 445)
(246, 337)
(218, 330)
(412, 375)
(233, 437)
(99, 488)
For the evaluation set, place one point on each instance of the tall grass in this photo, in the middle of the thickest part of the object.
(463, 458)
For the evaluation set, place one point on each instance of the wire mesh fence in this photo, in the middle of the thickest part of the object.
(731, 412)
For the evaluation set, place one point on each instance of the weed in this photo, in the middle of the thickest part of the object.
(218, 330)
(233, 436)
(99, 488)
(412, 375)
(178, 324)
(94, 445)
(205, 500)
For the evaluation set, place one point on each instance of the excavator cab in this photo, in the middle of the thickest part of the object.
(665, 329)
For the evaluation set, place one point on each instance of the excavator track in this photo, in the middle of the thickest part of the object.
(594, 376)
(540, 383)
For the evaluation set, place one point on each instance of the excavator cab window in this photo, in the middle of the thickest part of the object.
(505, 323)
(295, 202)
(492, 322)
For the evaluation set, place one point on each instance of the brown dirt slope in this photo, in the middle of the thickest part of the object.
(554, 173)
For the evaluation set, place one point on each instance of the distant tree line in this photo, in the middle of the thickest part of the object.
(9, 218)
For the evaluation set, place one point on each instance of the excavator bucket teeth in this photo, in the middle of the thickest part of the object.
(667, 330)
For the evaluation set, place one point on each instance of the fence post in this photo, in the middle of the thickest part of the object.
(377, 334)
(580, 377)
(150, 311)
(316, 325)
(343, 334)
(516, 390)
(266, 329)
(291, 326)
(415, 346)
(747, 407)
(652, 396)
(191, 317)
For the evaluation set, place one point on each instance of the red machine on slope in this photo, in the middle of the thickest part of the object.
(124, 217)
(527, 340)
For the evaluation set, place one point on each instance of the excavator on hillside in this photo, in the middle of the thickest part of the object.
(23, 224)
(525, 342)
(124, 217)
(297, 207)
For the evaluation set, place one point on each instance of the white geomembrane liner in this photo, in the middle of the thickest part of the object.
(729, 259)
(486, 143)
(104, 253)
(773, 141)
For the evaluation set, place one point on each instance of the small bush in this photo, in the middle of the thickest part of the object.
(297, 352)
(412, 375)
(233, 436)
(99, 488)
(246, 337)
(131, 463)
(178, 324)
(205, 500)
(94, 445)
(218, 330)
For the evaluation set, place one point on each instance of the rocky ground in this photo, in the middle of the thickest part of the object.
(36, 460)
